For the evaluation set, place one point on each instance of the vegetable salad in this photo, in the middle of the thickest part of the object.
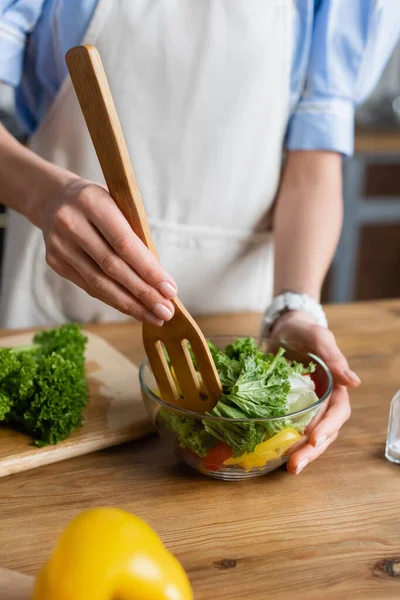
(255, 386)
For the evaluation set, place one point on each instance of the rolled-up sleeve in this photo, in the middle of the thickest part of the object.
(17, 19)
(351, 44)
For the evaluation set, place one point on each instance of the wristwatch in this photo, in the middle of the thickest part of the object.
(292, 301)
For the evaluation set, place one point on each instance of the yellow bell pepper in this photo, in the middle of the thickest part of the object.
(109, 554)
(178, 389)
(174, 377)
(271, 449)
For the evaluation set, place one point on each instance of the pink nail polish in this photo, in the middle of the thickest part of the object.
(321, 440)
(164, 313)
(352, 376)
(153, 320)
(168, 290)
(302, 464)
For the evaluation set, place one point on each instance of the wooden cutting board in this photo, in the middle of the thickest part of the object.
(115, 414)
(14, 585)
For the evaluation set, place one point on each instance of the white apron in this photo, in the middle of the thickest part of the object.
(202, 91)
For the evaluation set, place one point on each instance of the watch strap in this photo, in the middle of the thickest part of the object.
(292, 301)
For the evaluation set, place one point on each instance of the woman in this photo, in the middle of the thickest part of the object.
(208, 92)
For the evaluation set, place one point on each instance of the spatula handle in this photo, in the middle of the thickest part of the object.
(94, 95)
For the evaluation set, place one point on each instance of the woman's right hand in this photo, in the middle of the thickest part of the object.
(89, 242)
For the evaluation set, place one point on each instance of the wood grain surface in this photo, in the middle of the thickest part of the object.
(115, 414)
(332, 532)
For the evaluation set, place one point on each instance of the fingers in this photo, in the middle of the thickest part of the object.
(325, 432)
(94, 282)
(318, 340)
(94, 245)
(101, 210)
(298, 462)
(321, 342)
(325, 346)
(89, 240)
(338, 413)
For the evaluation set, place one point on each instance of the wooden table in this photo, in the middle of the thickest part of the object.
(333, 532)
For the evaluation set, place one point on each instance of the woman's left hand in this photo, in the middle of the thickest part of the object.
(297, 328)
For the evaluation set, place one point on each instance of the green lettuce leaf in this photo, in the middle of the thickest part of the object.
(191, 433)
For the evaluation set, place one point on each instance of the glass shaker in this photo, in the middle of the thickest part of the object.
(393, 434)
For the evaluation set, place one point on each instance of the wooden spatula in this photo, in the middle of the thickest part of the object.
(94, 95)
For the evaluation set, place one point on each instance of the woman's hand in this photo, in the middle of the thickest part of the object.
(89, 242)
(297, 328)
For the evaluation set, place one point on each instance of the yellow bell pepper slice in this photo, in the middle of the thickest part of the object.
(251, 460)
(271, 449)
(280, 442)
(174, 377)
(108, 553)
(178, 389)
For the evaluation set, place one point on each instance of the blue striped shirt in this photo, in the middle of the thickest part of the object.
(340, 50)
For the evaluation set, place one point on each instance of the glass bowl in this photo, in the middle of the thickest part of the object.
(283, 435)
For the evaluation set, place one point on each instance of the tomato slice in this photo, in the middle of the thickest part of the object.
(319, 387)
(216, 456)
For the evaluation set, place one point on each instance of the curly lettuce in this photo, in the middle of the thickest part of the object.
(43, 387)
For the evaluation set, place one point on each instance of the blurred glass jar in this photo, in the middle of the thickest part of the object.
(393, 434)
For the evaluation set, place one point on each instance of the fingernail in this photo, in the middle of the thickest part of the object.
(153, 320)
(163, 312)
(302, 464)
(352, 376)
(320, 441)
(168, 290)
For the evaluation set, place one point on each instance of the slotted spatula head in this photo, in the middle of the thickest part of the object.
(195, 393)
(98, 108)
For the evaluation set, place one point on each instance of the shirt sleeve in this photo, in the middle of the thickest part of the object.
(17, 19)
(350, 46)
